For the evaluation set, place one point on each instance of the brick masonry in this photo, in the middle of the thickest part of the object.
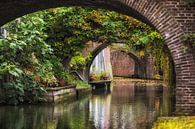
(122, 64)
(172, 18)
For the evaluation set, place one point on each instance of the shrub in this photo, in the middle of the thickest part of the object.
(22, 89)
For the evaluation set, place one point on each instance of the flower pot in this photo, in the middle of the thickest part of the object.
(104, 78)
(92, 79)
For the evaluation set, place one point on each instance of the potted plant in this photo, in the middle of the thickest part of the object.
(104, 76)
(92, 77)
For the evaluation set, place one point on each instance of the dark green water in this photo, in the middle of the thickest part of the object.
(122, 108)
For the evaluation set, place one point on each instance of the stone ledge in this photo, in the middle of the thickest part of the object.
(67, 93)
(59, 88)
(60, 94)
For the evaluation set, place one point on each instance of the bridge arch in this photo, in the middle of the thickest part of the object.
(151, 12)
(139, 69)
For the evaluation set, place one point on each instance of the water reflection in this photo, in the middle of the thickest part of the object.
(100, 110)
(122, 108)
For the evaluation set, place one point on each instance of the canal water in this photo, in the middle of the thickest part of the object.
(123, 107)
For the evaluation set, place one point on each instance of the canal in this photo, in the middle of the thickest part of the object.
(127, 106)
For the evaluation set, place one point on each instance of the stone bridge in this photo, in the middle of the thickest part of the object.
(172, 18)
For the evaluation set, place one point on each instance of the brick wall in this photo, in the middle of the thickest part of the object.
(150, 71)
(122, 64)
(183, 12)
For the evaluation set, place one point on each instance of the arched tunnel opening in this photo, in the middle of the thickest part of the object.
(47, 54)
(129, 63)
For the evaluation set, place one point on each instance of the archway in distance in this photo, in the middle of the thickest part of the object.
(138, 63)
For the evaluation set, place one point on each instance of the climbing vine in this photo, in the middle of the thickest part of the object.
(190, 1)
(189, 40)
(45, 46)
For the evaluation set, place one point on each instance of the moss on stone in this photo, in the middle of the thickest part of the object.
(175, 123)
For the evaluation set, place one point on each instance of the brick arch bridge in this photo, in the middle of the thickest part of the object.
(172, 18)
(139, 66)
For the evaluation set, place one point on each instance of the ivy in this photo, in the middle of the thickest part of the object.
(190, 1)
(43, 47)
(189, 39)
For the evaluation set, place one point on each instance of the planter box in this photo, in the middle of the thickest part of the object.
(60, 94)
(55, 94)
(102, 84)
